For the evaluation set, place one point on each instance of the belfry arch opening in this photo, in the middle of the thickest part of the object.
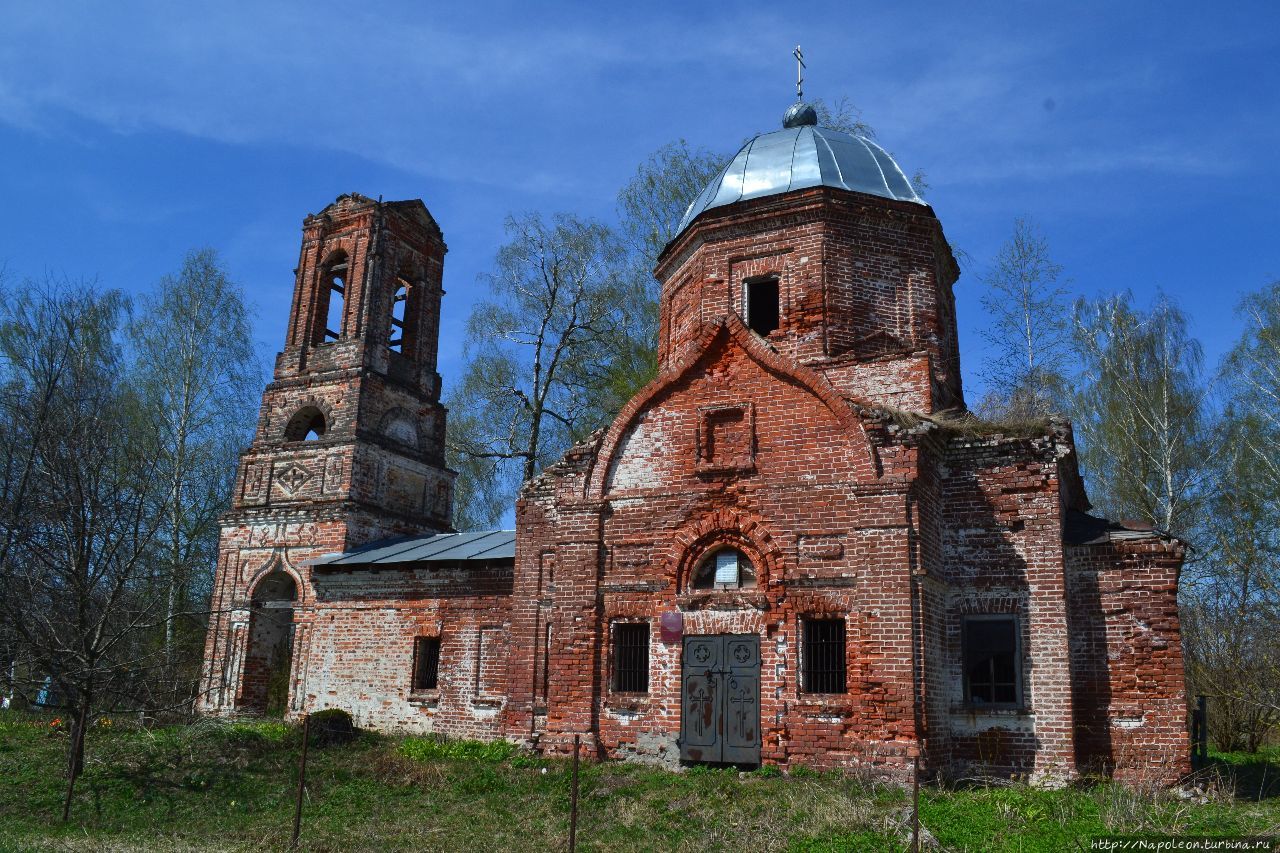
(399, 305)
(333, 290)
(307, 424)
(268, 658)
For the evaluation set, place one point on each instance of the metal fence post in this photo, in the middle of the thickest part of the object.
(573, 799)
(302, 781)
(915, 805)
(1202, 734)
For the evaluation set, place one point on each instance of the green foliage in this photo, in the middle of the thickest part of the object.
(428, 749)
(230, 786)
(536, 351)
(1140, 412)
(1232, 641)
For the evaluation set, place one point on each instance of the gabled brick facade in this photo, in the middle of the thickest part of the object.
(828, 573)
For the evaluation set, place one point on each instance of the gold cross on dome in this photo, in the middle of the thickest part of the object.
(800, 66)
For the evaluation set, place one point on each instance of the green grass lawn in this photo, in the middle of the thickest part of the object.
(219, 786)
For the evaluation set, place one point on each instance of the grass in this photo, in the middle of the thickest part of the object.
(219, 786)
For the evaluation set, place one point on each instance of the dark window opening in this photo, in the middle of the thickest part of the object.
(762, 305)
(991, 661)
(307, 425)
(399, 303)
(426, 663)
(824, 656)
(631, 657)
(336, 294)
(727, 568)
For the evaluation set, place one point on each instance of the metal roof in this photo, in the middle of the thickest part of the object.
(431, 548)
(799, 157)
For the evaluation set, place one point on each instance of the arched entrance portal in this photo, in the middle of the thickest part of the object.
(270, 653)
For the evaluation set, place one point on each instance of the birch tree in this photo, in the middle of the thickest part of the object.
(532, 347)
(1030, 331)
(1233, 614)
(197, 376)
(1141, 413)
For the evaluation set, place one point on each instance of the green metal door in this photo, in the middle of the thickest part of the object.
(720, 699)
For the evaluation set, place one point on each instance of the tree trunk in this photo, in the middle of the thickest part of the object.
(75, 752)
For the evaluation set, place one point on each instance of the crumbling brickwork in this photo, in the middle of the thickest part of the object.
(790, 548)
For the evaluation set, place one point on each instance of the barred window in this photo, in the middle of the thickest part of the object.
(426, 663)
(991, 660)
(631, 657)
(823, 656)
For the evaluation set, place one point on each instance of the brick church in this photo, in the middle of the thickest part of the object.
(791, 547)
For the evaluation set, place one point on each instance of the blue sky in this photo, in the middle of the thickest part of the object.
(1141, 136)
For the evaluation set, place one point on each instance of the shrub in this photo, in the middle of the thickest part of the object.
(331, 727)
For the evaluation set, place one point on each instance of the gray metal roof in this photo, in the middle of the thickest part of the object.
(803, 156)
(431, 548)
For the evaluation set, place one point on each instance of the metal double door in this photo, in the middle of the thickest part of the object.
(720, 699)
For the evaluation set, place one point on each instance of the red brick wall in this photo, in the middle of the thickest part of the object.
(790, 448)
(1002, 550)
(864, 290)
(826, 535)
(1126, 651)
(360, 645)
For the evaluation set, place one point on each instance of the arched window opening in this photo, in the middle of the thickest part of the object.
(335, 284)
(307, 425)
(762, 305)
(399, 303)
(727, 568)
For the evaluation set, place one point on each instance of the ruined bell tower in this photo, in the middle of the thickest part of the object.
(349, 445)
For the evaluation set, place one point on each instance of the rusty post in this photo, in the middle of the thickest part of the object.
(573, 799)
(1202, 734)
(915, 805)
(302, 781)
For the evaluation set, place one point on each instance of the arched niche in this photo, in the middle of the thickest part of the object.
(269, 656)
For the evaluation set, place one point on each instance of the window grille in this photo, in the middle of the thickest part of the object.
(426, 663)
(631, 657)
(991, 661)
(824, 656)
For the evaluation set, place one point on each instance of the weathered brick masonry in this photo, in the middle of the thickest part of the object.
(783, 550)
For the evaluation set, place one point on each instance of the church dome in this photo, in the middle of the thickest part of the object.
(803, 155)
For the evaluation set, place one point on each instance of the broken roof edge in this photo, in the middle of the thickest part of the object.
(478, 546)
(1081, 528)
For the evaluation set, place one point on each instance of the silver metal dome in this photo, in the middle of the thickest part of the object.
(805, 156)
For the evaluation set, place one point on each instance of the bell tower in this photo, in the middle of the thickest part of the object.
(349, 446)
(352, 424)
